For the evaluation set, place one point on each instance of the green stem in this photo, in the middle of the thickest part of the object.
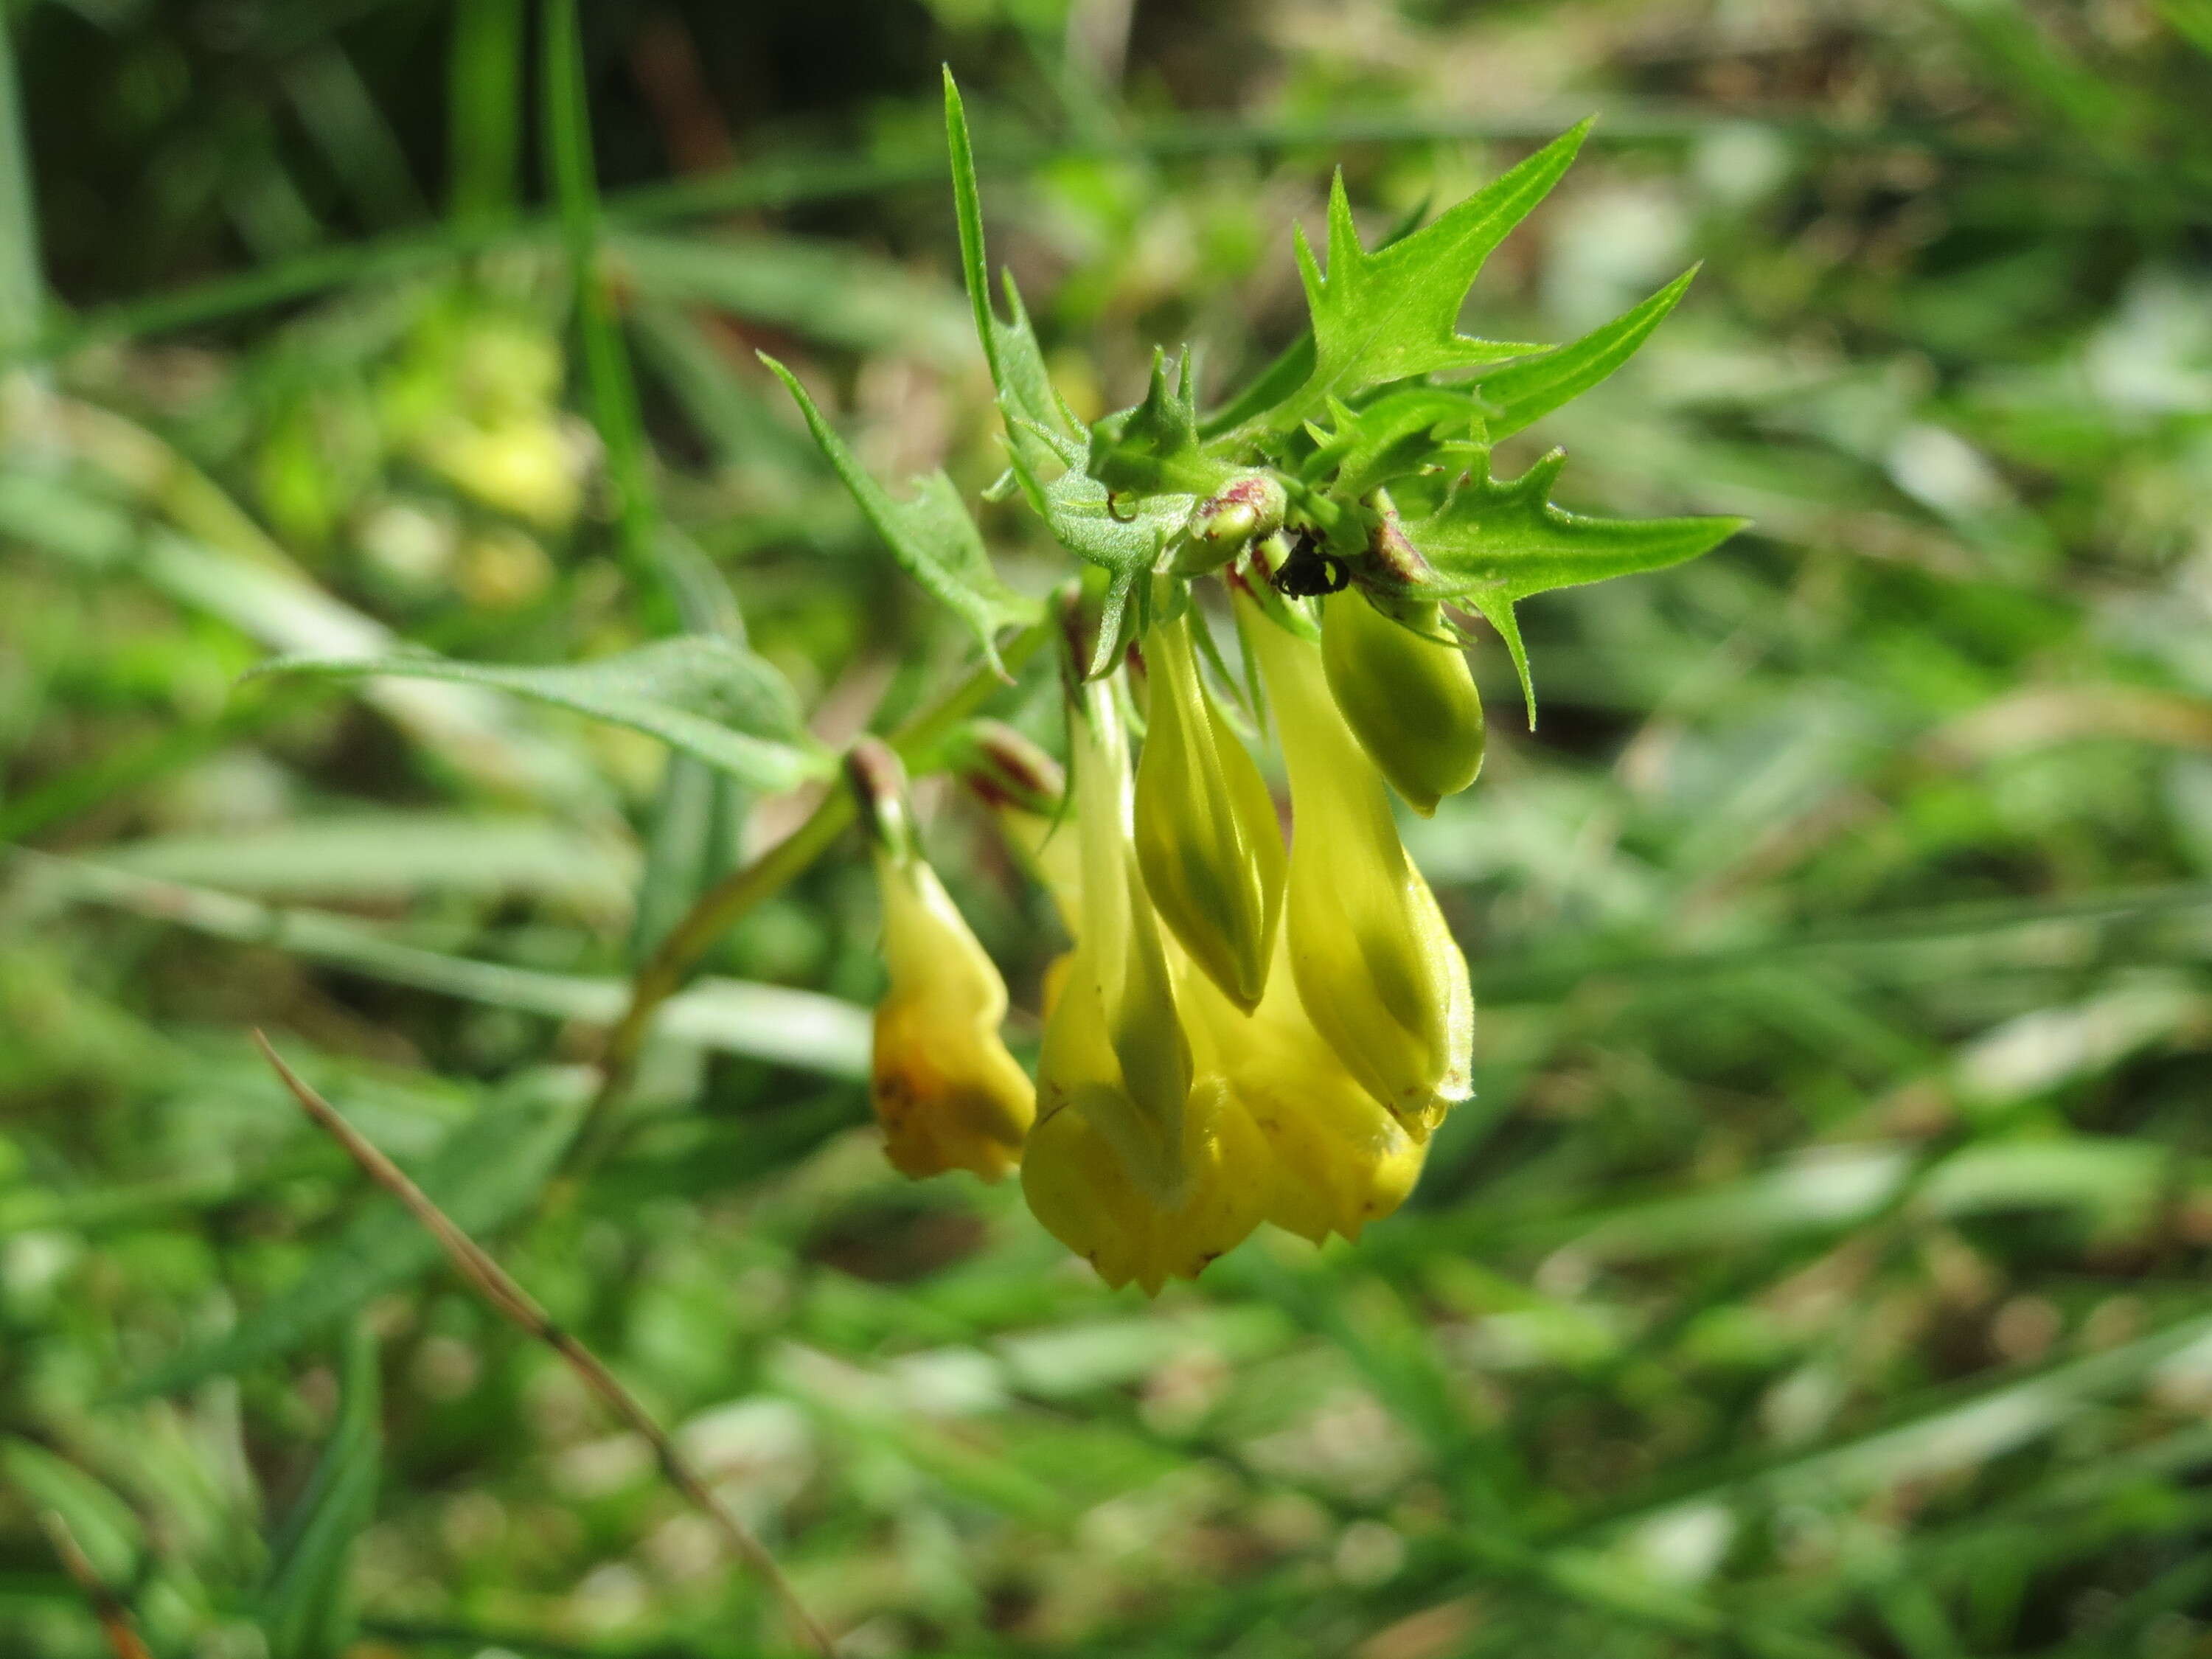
(21, 288)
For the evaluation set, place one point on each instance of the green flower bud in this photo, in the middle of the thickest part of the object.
(1376, 969)
(1208, 839)
(1005, 770)
(1227, 522)
(1026, 791)
(1407, 694)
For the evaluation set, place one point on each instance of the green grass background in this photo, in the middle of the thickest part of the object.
(1821, 1270)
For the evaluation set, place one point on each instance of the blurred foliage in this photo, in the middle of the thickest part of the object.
(1819, 1271)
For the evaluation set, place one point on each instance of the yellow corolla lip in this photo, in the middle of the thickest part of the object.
(1085, 1196)
(946, 1091)
(1337, 1159)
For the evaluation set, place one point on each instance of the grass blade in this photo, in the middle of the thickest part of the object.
(19, 285)
(486, 1172)
(607, 374)
(305, 1608)
(483, 122)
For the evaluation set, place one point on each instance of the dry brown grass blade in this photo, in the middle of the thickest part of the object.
(516, 1304)
(106, 1607)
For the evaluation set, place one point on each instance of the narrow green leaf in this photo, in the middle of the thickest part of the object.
(337, 109)
(1510, 537)
(484, 94)
(1386, 315)
(306, 1610)
(802, 1029)
(1524, 391)
(607, 370)
(485, 1174)
(693, 833)
(701, 694)
(930, 534)
(106, 1528)
(1492, 544)
(387, 856)
(1017, 370)
(21, 288)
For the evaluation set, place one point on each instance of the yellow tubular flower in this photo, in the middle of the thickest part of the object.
(946, 1091)
(1339, 1160)
(1114, 1046)
(1207, 840)
(1407, 694)
(1376, 967)
(1135, 1165)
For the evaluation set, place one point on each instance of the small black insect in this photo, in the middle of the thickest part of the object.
(1309, 573)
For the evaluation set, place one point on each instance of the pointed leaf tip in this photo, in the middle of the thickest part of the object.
(1393, 312)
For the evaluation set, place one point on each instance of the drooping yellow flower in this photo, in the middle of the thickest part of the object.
(946, 1091)
(1376, 969)
(1405, 692)
(1136, 1163)
(1208, 839)
(1114, 1046)
(1339, 1160)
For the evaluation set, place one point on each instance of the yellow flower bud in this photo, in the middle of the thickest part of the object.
(946, 1091)
(1407, 693)
(948, 1094)
(1376, 967)
(1207, 838)
(1339, 1160)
